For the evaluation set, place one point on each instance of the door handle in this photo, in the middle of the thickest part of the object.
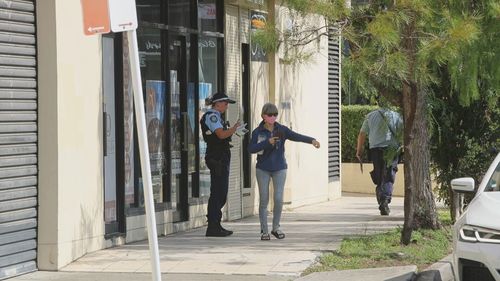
(105, 134)
(185, 142)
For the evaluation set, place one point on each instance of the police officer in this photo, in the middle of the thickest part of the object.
(383, 128)
(217, 134)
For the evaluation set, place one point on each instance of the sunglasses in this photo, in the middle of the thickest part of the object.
(272, 114)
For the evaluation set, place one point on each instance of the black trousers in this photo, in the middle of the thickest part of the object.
(218, 163)
(383, 175)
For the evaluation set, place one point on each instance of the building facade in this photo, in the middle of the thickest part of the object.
(70, 177)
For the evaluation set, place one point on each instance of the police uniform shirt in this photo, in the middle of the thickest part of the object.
(375, 127)
(213, 120)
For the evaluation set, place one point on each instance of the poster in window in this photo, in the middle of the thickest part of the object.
(207, 11)
(258, 21)
(176, 122)
(155, 120)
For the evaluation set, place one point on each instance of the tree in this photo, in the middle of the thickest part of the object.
(465, 107)
(465, 140)
(475, 70)
(394, 48)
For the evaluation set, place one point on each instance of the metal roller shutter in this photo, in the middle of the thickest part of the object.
(233, 88)
(333, 108)
(18, 138)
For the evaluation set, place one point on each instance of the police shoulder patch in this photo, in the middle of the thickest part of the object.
(214, 119)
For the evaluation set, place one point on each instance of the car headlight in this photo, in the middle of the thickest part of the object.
(469, 233)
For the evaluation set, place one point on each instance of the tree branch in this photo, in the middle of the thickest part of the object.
(303, 43)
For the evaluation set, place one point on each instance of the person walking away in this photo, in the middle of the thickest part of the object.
(384, 129)
(268, 141)
(217, 134)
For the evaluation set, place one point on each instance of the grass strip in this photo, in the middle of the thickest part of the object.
(385, 250)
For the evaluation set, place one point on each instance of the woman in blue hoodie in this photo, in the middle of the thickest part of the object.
(268, 141)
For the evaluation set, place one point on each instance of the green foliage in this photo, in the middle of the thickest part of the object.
(352, 119)
(445, 217)
(384, 30)
(464, 138)
(396, 42)
(298, 30)
(405, 45)
(391, 153)
(459, 36)
(356, 85)
(267, 38)
(333, 9)
(494, 9)
(385, 250)
(465, 107)
(475, 69)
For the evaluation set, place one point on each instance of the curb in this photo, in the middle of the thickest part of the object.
(439, 271)
(396, 273)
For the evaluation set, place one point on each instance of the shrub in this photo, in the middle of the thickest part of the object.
(465, 139)
(352, 119)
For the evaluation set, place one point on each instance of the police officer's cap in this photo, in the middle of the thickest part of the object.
(221, 97)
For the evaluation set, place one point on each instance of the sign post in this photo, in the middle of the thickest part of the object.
(121, 16)
(144, 153)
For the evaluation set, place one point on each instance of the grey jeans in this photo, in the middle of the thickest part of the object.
(263, 179)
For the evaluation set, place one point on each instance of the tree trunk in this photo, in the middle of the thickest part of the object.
(420, 208)
(408, 108)
(455, 206)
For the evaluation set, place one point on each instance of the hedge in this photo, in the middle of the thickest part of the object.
(352, 119)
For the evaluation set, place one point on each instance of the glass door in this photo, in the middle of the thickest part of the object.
(182, 125)
(109, 146)
(113, 198)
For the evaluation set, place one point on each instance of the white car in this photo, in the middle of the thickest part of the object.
(476, 235)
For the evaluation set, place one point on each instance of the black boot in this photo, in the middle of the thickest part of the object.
(229, 232)
(214, 230)
(384, 208)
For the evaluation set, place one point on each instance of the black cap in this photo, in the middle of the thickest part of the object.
(221, 97)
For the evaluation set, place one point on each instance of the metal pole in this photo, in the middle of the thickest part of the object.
(144, 154)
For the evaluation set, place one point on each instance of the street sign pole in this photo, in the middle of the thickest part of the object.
(144, 153)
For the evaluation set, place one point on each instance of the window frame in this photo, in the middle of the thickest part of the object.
(194, 33)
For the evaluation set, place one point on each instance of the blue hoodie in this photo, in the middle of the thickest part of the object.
(271, 158)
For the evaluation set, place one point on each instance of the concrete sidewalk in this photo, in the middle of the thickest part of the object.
(310, 230)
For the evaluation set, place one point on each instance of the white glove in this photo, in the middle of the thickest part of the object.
(241, 130)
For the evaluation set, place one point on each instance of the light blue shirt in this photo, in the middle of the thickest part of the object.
(213, 120)
(379, 134)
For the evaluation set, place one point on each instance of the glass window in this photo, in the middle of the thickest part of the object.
(180, 12)
(176, 72)
(207, 61)
(207, 15)
(192, 125)
(149, 41)
(108, 87)
(494, 182)
(154, 100)
(150, 10)
(168, 56)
